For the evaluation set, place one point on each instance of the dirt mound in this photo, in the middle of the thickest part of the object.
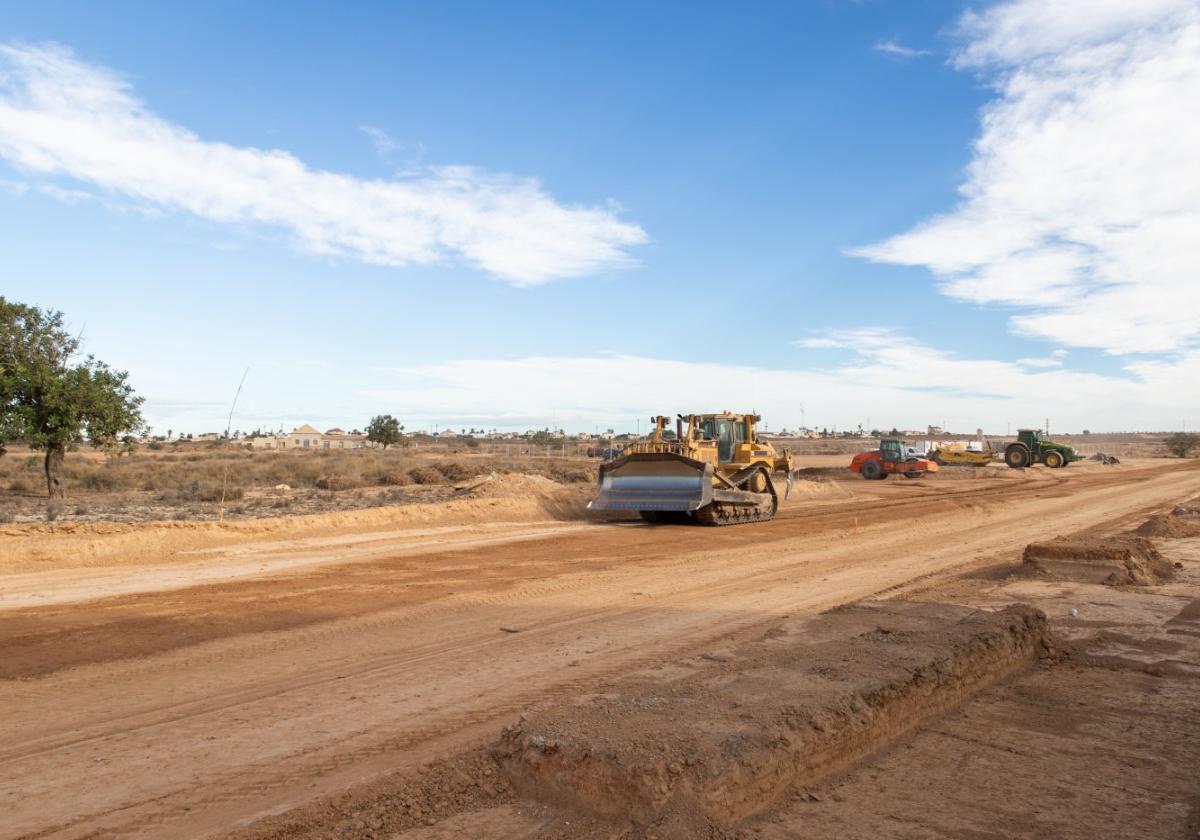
(507, 498)
(559, 501)
(1117, 561)
(1183, 521)
(394, 803)
(510, 485)
(722, 736)
(809, 487)
(817, 473)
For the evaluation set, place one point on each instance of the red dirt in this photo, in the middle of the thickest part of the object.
(725, 735)
(1114, 561)
(303, 673)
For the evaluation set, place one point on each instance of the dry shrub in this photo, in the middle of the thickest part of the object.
(193, 476)
(337, 482)
(566, 472)
(103, 480)
(427, 475)
(454, 471)
(201, 491)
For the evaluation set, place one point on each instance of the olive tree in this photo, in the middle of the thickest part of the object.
(53, 400)
(385, 430)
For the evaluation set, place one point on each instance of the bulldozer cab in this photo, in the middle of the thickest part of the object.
(728, 432)
(891, 450)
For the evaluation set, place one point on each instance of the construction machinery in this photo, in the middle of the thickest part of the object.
(1031, 447)
(892, 456)
(714, 470)
(959, 454)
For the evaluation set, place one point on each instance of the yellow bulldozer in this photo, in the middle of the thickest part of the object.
(715, 470)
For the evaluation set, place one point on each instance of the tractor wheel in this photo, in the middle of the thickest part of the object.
(915, 474)
(1016, 456)
(1053, 459)
(872, 471)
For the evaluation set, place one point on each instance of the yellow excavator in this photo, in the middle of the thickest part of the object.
(715, 470)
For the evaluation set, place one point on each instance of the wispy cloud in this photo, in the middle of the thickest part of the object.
(894, 47)
(889, 378)
(60, 116)
(819, 343)
(1080, 208)
(383, 143)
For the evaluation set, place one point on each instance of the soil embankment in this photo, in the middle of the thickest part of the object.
(724, 735)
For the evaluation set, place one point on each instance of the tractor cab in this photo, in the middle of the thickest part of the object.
(1032, 438)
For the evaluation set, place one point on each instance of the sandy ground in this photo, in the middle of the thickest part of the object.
(188, 687)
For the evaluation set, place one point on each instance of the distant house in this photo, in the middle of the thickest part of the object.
(304, 437)
(209, 436)
(338, 439)
(307, 437)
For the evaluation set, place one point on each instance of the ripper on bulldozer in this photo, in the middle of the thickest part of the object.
(715, 470)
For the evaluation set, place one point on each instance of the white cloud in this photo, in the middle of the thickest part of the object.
(60, 116)
(1080, 207)
(890, 380)
(1040, 363)
(818, 343)
(383, 143)
(894, 47)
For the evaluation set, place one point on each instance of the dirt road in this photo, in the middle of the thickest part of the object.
(262, 676)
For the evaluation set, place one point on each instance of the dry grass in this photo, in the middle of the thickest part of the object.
(187, 483)
(196, 474)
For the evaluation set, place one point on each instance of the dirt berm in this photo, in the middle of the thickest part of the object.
(498, 498)
(1114, 561)
(1183, 521)
(724, 735)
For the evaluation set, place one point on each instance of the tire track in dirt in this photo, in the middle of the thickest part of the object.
(286, 600)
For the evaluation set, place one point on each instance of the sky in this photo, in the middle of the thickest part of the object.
(578, 215)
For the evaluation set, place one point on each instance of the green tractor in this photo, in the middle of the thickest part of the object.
(1031, 448)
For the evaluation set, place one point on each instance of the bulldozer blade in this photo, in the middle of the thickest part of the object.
(654, 482)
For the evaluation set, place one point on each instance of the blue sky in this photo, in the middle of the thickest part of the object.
(579, 214)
